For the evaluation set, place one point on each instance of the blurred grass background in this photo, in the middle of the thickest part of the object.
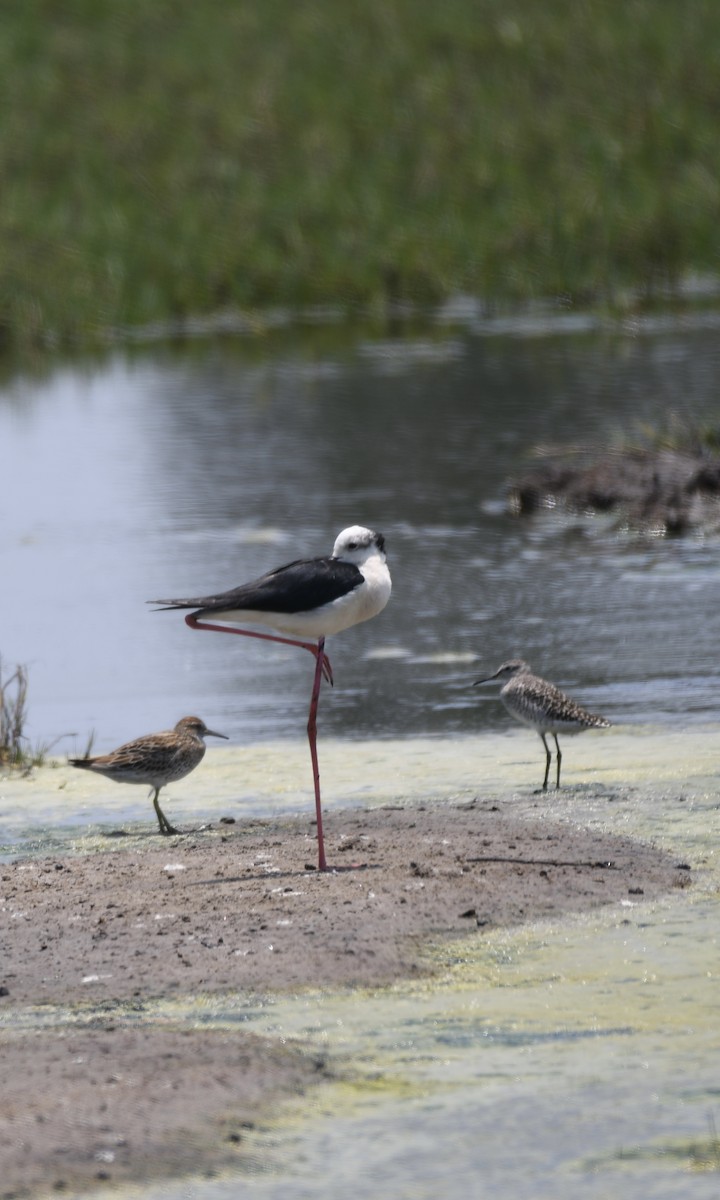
(163, 158)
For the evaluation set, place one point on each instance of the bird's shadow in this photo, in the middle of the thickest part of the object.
(154, 833)
(296, 874)
(599, 864)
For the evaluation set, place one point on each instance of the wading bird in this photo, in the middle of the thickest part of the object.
(155, 760)
(543, 707)
(311, 598)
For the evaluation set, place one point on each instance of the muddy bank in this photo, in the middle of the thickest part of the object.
(103, 1103)
(236, 909)
(244, 910)
(666, 491)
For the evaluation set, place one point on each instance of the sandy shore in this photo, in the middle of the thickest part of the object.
(239, 908)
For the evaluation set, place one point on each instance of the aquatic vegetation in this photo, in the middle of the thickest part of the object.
(168, 161)
(701, 1155)
(680, 431)
(13, 704)
(14, 749)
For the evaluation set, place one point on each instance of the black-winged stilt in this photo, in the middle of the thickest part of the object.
(543, 707)
(311, 598)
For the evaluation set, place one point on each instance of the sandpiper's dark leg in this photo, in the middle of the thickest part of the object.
(312, 738)
(165, 826)
(548, 757)
(193, 622)
(559, 760)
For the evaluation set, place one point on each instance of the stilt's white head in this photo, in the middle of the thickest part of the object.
(357, 545)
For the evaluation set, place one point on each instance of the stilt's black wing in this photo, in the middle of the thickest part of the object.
(300, 586)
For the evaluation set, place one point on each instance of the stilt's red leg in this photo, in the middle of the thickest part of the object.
(312, 738)
(313, 647)
(322, 669)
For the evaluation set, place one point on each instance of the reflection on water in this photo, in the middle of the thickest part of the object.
(170, 471)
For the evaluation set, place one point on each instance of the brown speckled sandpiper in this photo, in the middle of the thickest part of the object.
(543, 707)
(155, 760)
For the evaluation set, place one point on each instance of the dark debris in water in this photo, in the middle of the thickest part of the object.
(654, 491)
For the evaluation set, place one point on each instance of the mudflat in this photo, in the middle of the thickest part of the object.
(120, 1094)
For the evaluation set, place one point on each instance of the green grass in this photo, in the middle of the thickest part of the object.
(162, 158)
(680, 431)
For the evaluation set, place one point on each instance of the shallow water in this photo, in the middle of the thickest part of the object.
(61, 810)
(169, 471)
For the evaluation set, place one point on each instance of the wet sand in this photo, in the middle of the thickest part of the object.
(122, 1094)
